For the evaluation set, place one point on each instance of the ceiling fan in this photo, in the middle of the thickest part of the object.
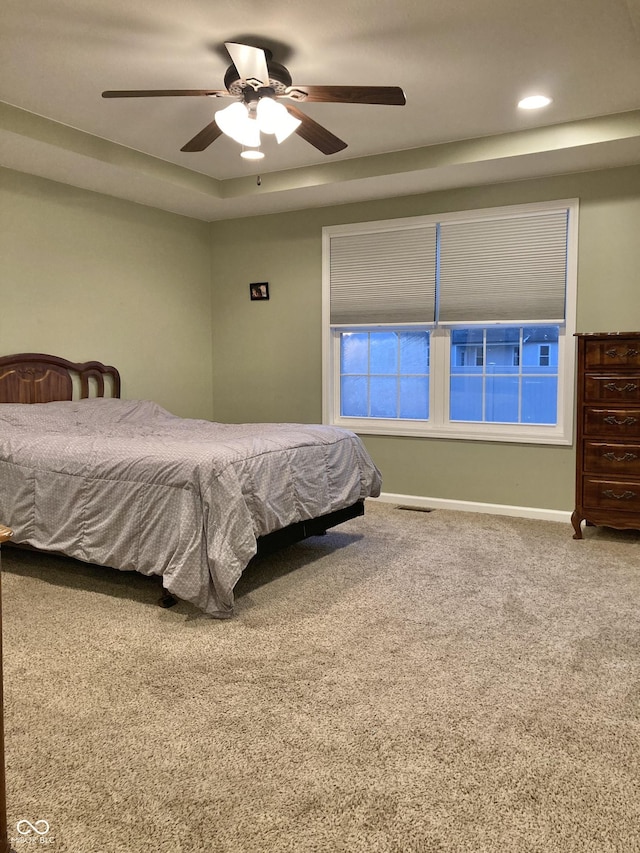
(258, 83)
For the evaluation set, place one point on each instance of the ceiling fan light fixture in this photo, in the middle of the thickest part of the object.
(287, 124)
(268, 114)
(234, 121)
(272, 117)
(252, 154)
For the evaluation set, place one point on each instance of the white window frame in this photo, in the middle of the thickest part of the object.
(439, 425)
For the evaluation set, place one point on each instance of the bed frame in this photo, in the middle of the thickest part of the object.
(34, 377)
(39, 378)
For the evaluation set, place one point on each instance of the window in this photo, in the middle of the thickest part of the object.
(504, 388)
(466, 354)
(384, 374)
(453, 326)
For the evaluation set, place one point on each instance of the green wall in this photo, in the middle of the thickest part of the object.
(87, 276)
(267, 355)
(166, 299)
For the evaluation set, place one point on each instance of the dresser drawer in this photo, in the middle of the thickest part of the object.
(612, 388)
(611, 494)
(601, 457)
(612, 423)
(616, 352)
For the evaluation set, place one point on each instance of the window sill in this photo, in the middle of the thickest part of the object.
(462, 432)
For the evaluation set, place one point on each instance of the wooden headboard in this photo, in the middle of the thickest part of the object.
(33, 377)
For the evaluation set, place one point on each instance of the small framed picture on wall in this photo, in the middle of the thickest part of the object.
(259, 290)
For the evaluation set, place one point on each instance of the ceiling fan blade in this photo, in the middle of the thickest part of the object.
(316, 134)
(203, 139)
(250, 62)
(387, 95)
(165, 93)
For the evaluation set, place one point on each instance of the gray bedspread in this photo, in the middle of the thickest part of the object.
(126, 484)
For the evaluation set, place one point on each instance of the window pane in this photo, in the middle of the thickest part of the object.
(502, 358)
(353, 397)
(502, 370)
(467, 336)
(384, 396)
(503, 335)
(354, 352)
(541, 333)
(539, 370)
(385, 374)
(503, 350)
(501, 403)
(534, 338)
(466, 364)
(414, 352)
(539, 399)
(466, 398)
(517, 383)
(414, 397)
(384, 352)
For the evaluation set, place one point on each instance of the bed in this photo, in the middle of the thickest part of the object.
(126, 484)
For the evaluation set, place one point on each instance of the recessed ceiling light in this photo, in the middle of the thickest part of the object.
(534, 102)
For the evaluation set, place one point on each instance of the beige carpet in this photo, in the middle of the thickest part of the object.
(409, 683)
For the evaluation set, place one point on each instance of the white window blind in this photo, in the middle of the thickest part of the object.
(383, 276)
(504, 269)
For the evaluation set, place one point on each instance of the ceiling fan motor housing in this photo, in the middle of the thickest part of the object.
(279, 79)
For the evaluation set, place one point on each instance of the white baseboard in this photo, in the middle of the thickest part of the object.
(419, 501)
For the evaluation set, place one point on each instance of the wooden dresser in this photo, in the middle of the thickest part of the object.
(608, 431)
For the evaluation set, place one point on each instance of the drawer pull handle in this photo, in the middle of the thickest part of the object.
(628, 457)
(612, 419)
(630, 353)
(630, 386)
(625, 496)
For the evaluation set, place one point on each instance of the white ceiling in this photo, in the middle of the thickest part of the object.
(463, 65)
